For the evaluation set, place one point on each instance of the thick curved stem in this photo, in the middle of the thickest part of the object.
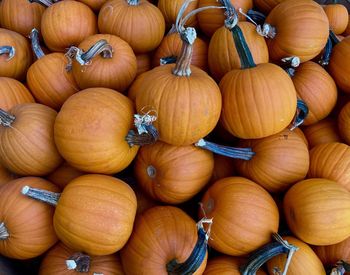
(9, 50)
(4, 234)
(79, 262)
(41, 195)
(182, 67)
(232, 152)
(6, 119)
(301, 114)
(34, 37)
(45, 3)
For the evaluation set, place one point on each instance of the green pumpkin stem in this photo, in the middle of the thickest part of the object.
(267, 252)
(232, 152)
(79, 262)
(324, 61)
(301, 114)
(334, 38)
(198, 254)
(45, 3)
(4, 234)
(48, 197)
(133, 2)
(34, 37)
(9, 50)
(6, 119)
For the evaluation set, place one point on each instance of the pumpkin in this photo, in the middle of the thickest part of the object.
(115, 70)
(347, 30)
(317, 89)
(331, 161)
(338, 17)
(167, 230)
(55, 263)
(318, 218)
(290, 37)
(90, 131)
(67, 23)
(94, 4)
(20, 16)
(15, 54)
(144, 63)
(144, 202)
(172, 174)
(26, 229)
(280, 160)
(266, 6)
(170, 10)
(211, 19)
(146, 25)
(13, 92)
(324, 131)
(244, 215)
(223, 55)
(343, 122)
(223, 167)
(5, 175)
(304, 260)
(171, 47)
(26, 140)
(63, 175)
(339, 66)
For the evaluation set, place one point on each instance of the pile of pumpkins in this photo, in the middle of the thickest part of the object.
(115, 160)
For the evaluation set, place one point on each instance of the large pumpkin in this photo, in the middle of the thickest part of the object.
(317, 211)
(26, 229)
(244, 215)
(90, 131)
(27, 144)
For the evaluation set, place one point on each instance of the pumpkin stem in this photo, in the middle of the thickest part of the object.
(291, 63)
(255, 16)
(34, 37)
(151, 171)
(340, 268)
(6, 119)
(4, 234)
(324, 61)
(133, 2)
(232, 152)
(85, 58)
(41, 195)
(79, 262)
(45, 3)
(167, 60)
(267, 252)
(198, 253)
(301, 114)
(9, 50)
(334, 37)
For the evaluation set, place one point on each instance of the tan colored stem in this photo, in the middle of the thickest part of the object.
(4, 234)
(6, 119)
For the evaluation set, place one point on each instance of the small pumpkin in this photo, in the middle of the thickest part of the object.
(63, 175)
(318, 218)
(343, 123)
(144, 63)
(338, 17)
(26, 229)
(170, 10)
(27, 144)
(95, 5)
(223, 167)
(5, 175)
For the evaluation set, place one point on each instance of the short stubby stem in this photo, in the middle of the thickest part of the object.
(6, 119)
(9, 50)
(34, 37)
(48, 197)
(4, 234)
(79, 262)
(133, 2)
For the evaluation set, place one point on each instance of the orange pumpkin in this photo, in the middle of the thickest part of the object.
(63, 175)
(347, 30)
(144, 63)
(173, 174)
(144, 202)
(331, 254)
(223, 167)
(5, 175)
(343, 122)
(26, 229)
(304, 260)
(318, 218)
(146, 25)
(338, 17)
(26, 140)
(54, 263)
(94, 4)
(266, 6)
(13, 92)
(170, 10)
(244, 215)
(16, 57)
(90, 131)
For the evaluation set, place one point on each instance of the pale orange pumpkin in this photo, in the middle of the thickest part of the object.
(338, 17)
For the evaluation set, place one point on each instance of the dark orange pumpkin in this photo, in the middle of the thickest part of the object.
(343, 123)
(244, 215)
(317, 211)
(347, 30)
(173, 174)
(26, 229)
(94, 4)
(170, 9)
(223, 167)
(27, 144)
(64, 175)
(5, 175)
(144, 63)
(266, 6)
(338, 17)
(144, 202)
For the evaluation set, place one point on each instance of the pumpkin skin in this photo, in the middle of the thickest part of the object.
(151, 233)
(331, 254)
(17, 66)
(90, 131)
(13, 92)
(170, 9)
(304, 260)
(244, 215)
(49, 81)
(171, 46)
(28, 221)
(94, 4)
(331, 161)
(64, 175)
(253, 97)
(347, 30)
(54, 263)
(280, 160)
(343, 123)
(95, 214)
(266, 6)
(5, 175)
(144, 63)
(197, 96)
(146, 25)
(338, 17)
(339, 65)
(223, 167)
(173, 174)
(318, 218)
(292, 38)
(317, 89)
(67, 23)
(36, 154)
(223, 56)
(20, 16)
